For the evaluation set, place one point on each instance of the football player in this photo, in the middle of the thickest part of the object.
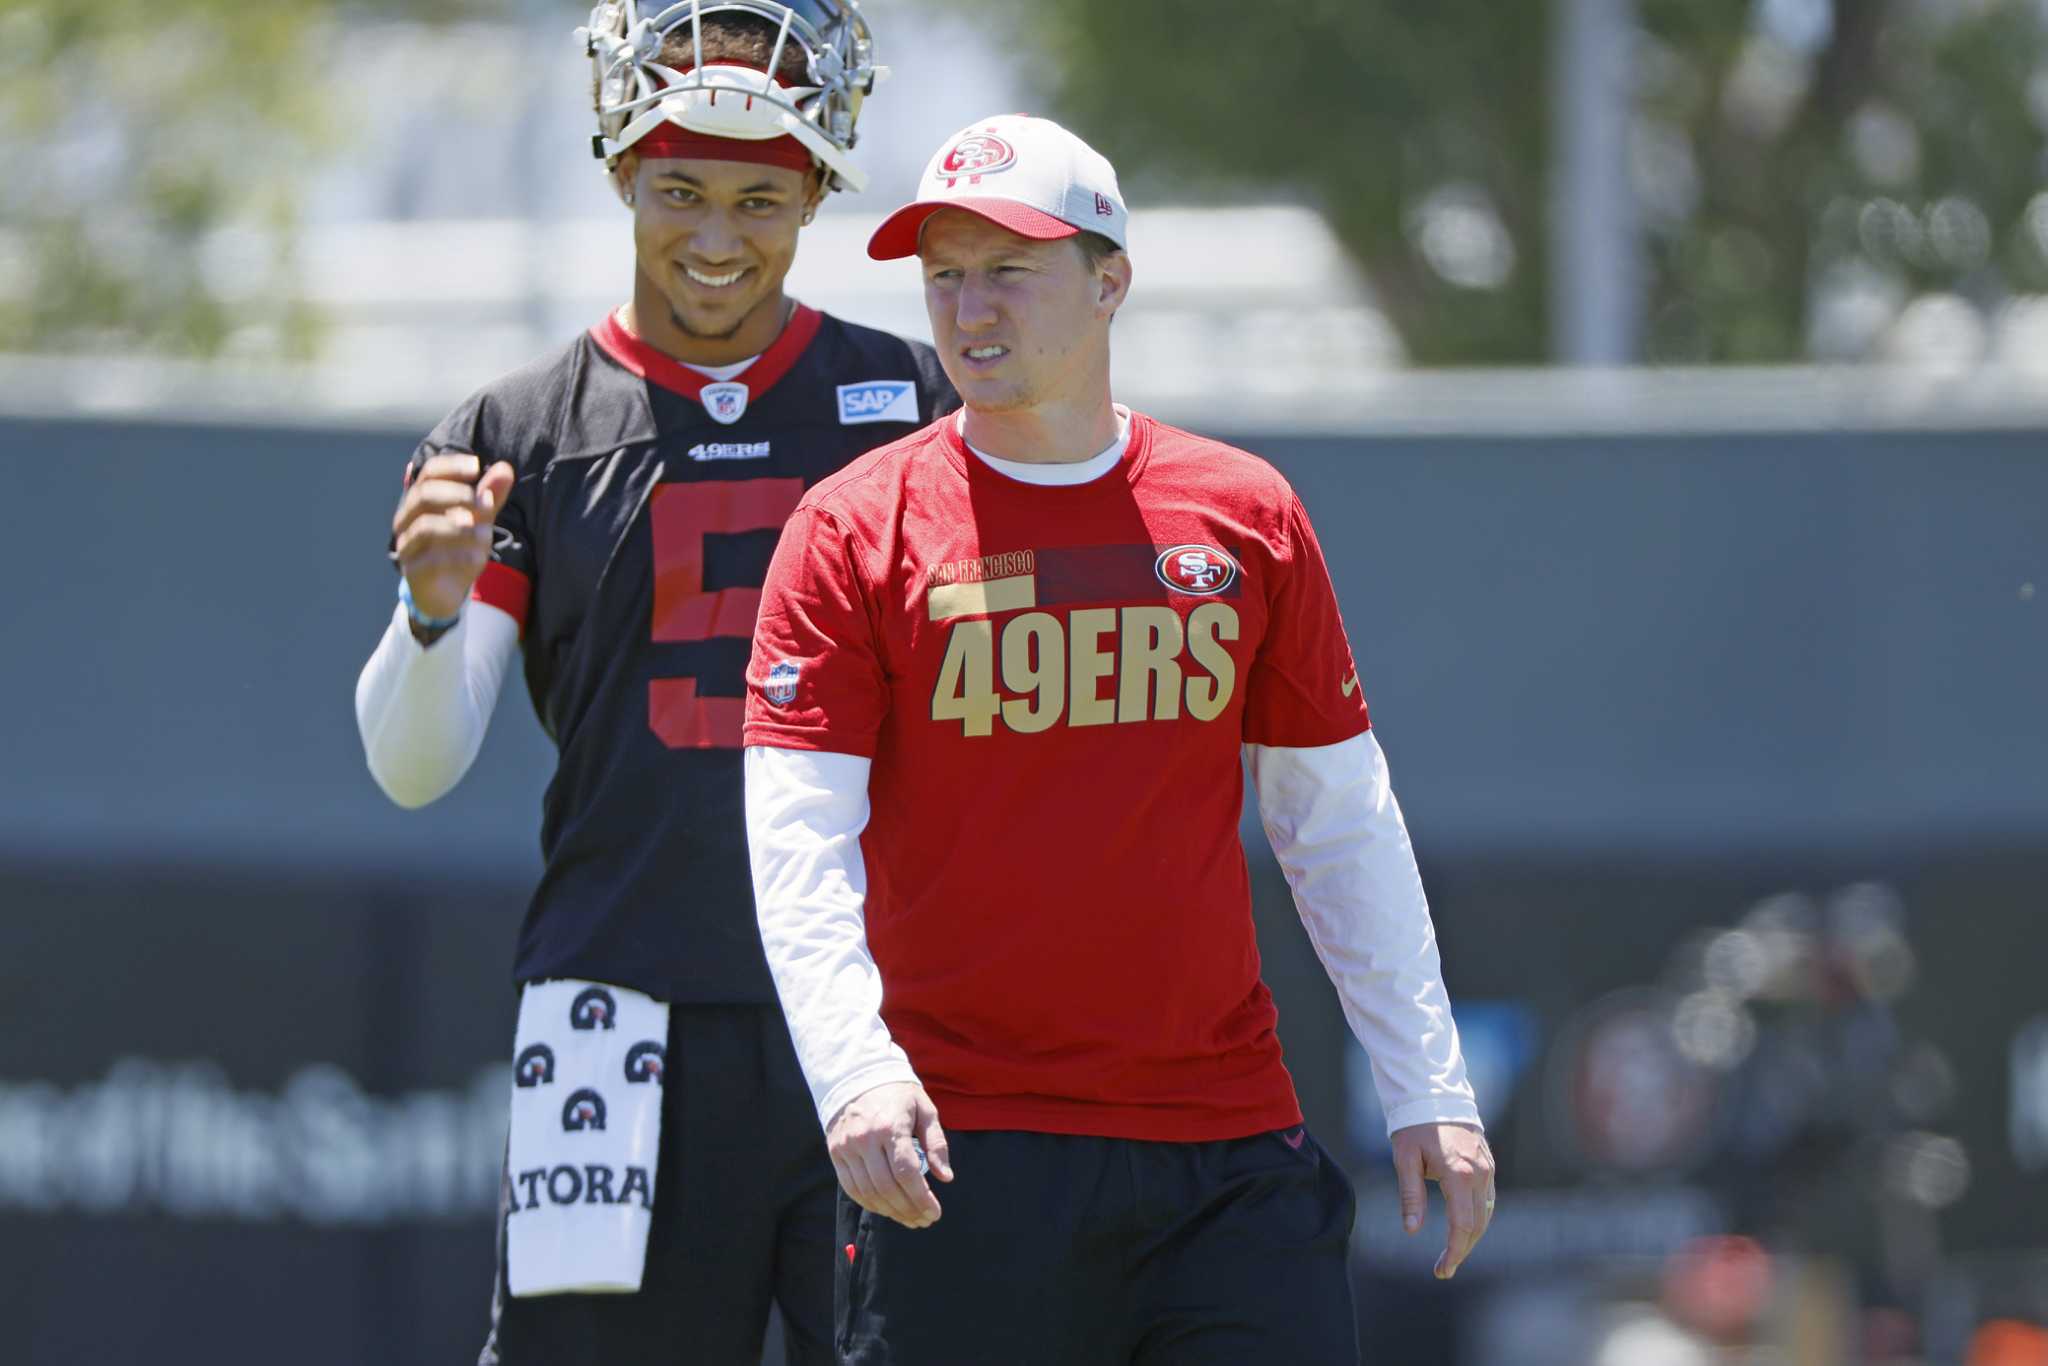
(1003, 678)
(605, 516)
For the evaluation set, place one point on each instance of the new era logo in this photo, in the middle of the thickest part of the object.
(878, 400)
(1103, 208)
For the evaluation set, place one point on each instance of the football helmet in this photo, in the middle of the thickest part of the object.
(636, 91)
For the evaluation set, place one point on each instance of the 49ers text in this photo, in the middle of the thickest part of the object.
(1054, 668)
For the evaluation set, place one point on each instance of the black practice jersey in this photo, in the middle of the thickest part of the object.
(632, 549)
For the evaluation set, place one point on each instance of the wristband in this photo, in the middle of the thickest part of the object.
(419, 618)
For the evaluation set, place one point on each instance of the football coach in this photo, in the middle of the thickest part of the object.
(1003, 675)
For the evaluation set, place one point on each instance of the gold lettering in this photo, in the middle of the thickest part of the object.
(1090, 665)
(1148, 688)
(1009, 564)
(1034, 663)
(1208, 625)
(966, 689)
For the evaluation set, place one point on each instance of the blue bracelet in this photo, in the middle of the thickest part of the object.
(419, 618)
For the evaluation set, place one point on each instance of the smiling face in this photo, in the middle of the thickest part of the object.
(1020, 324)
(714, 240)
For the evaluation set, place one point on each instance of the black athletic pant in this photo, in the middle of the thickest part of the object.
(742, 1217)
(1062, 1251)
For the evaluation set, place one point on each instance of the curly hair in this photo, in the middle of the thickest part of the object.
(739, 39)
(735, 39)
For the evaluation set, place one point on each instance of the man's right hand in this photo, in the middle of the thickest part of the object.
(442, 529)
(873, 1141)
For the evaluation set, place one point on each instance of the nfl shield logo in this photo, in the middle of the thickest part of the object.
(781, 687)
(725, 402)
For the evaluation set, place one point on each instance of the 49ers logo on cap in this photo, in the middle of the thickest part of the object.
(1199, 569)
(974, 156)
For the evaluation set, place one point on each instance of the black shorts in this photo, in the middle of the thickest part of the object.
(742, 1218)
(1062, 1251)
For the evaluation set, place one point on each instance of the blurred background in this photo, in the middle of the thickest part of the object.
(1667, 379)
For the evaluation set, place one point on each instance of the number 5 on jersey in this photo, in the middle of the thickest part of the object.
(684, 516)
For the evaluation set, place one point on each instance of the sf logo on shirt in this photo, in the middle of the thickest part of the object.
(1052, 665)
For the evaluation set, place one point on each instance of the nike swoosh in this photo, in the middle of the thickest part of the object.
(1351, 685)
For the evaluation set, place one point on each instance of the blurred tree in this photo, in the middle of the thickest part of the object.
(151, 155)
(1805, 168)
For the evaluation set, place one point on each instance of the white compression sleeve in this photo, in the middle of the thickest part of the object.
(422, 710)
(805, 812)
(1337, 831)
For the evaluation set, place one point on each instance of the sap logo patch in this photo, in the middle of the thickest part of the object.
(594, 1008)
(781, 689)
(729, 450)
(878, 400)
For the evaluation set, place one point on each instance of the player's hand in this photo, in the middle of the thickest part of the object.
(442, 529)
(874, 1140)
(1456, 1157)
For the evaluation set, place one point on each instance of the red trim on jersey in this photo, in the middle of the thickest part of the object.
(504, 588)
(669, 140)
(659, 367)
(898, 235)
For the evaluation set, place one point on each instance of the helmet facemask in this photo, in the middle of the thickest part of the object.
(637, 91)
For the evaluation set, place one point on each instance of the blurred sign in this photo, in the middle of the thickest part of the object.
(263, 1115)
(2030, 1096)
(178, 1139)
(1625, 1096)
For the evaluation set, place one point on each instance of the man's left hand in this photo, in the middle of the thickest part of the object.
(1456, 1157)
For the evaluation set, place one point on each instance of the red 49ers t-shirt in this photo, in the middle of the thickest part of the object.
(1053, 683)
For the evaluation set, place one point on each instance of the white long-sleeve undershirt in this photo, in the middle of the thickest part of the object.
(1334, 826)
(1339, 836)
(805, 813)
(422, 710)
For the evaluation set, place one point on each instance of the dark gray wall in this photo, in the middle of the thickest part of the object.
(1630, 685)
(1687, 644)
(1697, 642)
